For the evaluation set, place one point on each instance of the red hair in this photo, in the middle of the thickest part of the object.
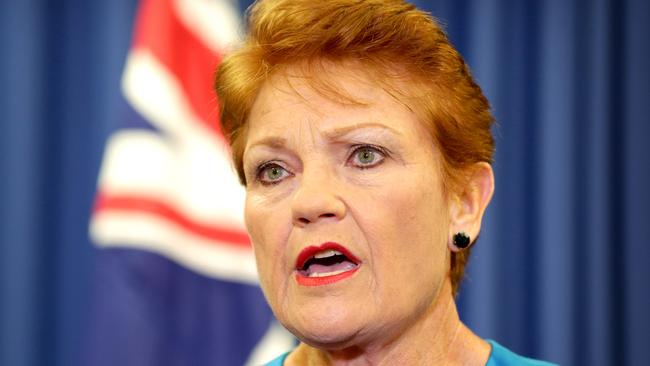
(390, 38)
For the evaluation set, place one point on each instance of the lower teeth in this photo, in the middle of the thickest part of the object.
(325, 274)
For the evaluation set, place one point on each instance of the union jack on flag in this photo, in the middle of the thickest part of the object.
(175, 280)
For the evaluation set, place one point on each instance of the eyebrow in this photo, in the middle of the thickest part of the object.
(333, 134)
(270, 141)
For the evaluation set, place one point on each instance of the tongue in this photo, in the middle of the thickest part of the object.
(342, 266)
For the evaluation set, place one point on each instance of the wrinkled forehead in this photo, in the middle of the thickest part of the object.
(292, 115)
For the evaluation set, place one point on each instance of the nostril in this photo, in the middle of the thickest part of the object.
(305, 220)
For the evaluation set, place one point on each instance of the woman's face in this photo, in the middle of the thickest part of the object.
(345, 209)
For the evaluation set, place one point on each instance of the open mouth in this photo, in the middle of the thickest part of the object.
(324, 264)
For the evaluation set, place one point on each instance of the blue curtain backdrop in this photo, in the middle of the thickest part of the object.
(562, 268)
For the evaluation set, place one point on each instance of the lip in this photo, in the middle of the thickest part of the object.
(310, 251)
(326, 280)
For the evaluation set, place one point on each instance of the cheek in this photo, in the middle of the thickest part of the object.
(267, 226)
(427, 225)
(407, 236)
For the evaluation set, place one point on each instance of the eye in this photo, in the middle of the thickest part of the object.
(367, 156)
(271, 173)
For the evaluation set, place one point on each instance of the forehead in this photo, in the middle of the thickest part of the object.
(331, 97)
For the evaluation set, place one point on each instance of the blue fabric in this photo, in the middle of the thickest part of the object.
(499, 356)
(148, 310)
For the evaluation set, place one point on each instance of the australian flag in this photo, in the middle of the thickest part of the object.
(175, 280)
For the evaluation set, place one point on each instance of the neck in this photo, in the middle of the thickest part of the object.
(438, 337)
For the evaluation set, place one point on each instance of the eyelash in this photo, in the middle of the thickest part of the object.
(377, 149)
(260, 170)
(355, 149)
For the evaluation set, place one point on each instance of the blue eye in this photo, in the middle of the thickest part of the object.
(367, 156)
(271, 173)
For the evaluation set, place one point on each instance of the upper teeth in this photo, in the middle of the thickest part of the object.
(327, 253)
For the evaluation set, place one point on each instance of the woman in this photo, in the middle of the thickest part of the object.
(365, 147)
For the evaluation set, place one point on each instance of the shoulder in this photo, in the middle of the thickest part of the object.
(501, 356)
(278, 361)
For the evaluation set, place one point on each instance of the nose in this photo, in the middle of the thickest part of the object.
(317, 198)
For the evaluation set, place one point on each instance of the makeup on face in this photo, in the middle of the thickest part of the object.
(342, 143)
(325, 264)
(344, 207)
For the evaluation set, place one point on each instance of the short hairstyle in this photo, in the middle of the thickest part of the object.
(383, 35)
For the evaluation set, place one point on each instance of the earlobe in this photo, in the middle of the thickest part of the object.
(468, 206)
(461, 240)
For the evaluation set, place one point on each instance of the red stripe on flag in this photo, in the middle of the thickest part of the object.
(160, 209)
(159, 30)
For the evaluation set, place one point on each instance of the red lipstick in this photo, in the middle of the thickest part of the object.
(320, 281)
(325, 264)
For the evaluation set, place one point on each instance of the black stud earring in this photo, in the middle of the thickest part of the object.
(461, 240)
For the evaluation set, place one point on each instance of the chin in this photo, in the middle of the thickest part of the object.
(327, 339)
(318, 327)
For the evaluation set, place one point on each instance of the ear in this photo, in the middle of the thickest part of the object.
(468, 204)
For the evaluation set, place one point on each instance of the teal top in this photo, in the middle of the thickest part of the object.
(499, 356)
